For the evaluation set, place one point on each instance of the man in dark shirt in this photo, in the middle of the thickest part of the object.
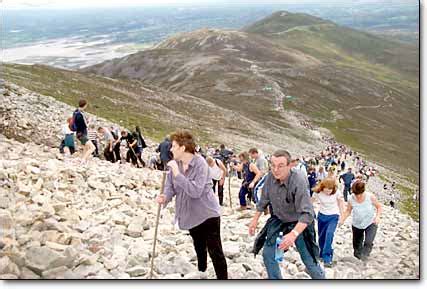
(225, 154)
(348, 177)
(81, 130)
(165, 152)
(285, 189)
(312, 179)
(132, 140)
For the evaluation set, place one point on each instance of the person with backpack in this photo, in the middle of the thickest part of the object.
(79, 125)
(218, 172)
(263, 166)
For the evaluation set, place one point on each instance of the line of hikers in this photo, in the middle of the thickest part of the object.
(285, 195)
(79, 126)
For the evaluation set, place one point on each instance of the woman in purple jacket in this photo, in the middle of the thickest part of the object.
(196, 207)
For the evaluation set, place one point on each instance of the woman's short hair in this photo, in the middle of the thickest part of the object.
(209, 160)
(328, 183)
(184, 138)
(358, 187)
(82, 102)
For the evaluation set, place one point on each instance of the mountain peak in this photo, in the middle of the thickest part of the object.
(281, 21)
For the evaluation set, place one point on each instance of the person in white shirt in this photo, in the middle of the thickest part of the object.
(259, 159)
(331, 207)
(218, 172)
(68, 141)
(109, 139)
(321, 174)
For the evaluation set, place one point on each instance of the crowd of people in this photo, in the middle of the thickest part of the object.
(79, 127)
(284, 187)
(287, 194)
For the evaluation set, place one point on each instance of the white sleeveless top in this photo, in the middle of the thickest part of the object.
(363, 214)
(215, 171)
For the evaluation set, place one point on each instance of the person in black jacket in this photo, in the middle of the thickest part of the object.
(132, 141)
(81, 126)
(140, 145)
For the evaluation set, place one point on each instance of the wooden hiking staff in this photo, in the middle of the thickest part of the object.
(157, 226)
(229, 185)
(137, 160)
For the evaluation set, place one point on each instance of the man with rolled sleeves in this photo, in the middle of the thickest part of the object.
(285, 189)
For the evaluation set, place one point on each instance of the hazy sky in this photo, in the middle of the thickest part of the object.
(17, 4)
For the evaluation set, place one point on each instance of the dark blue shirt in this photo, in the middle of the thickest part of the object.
(347, 178)
(164, 149)
(312, 179)
(80, 122)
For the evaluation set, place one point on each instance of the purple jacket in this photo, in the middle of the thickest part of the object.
(195, 200)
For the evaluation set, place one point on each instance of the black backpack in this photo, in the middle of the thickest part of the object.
(141, 142)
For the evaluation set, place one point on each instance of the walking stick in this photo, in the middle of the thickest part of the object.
(229, 185)
(157, 225)
(136, 157)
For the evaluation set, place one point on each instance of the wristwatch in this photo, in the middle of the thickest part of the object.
(295, 233)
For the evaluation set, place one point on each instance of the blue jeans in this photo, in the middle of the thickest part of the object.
(326, 226)
(346, 191)
(273, 269)
(242, 195)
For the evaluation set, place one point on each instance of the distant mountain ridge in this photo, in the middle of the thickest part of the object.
(363, 88)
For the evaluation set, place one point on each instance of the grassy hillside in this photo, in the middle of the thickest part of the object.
(157, 111)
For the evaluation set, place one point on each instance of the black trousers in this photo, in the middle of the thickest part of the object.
(116, 151)
(220, 191)
(109, 155)
(346, 192)
(363, 240)
(130, 155)
(96, 151)
(207, 238)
